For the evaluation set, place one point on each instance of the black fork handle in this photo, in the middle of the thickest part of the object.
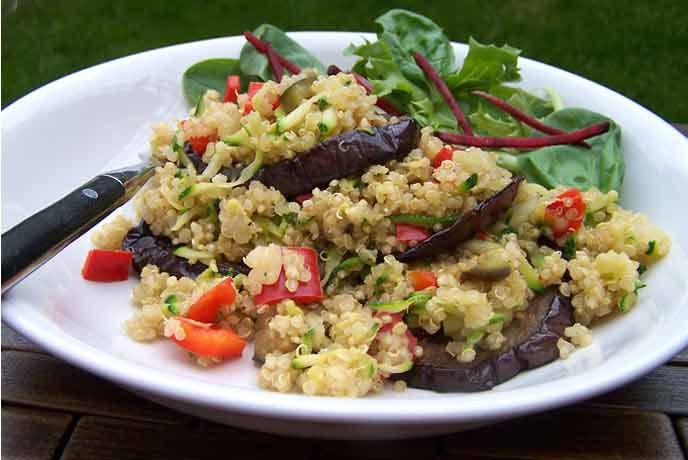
(34, 241)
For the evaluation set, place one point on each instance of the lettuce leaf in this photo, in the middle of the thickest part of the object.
(485, 67)
(378, 64)
(391, 68)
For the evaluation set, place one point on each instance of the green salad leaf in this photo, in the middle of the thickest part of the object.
(485, 66)
(209, 74)
(601, 166)
(390, 66)
(405, 33)
(488, 120)
(256, 64)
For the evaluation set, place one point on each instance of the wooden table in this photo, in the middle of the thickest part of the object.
(52, 410)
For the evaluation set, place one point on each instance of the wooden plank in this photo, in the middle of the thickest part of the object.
(663, 390)
(682, 428)
(575, 433)
(681, 358)
(32, 434)
(39, 380)
(107, 438)
(11, 340)
(424, 448)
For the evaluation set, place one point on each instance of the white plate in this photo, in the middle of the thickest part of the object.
(64, 133)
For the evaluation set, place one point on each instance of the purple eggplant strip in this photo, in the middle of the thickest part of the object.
(479, 218)
(531, 342)
(341, 156)
(337, 157)
(149, 249)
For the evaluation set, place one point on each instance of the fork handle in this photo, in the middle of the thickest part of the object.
(34, 241)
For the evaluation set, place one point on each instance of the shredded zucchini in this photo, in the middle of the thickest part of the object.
(423, 221)
(249, 171)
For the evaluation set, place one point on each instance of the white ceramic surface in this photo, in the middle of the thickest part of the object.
(64, 133)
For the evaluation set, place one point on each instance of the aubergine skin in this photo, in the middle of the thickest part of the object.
(531, 342)
(479, 218)
(341, 156)
(149, 249)
(334, 158)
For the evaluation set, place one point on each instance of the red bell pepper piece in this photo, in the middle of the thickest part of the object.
(406, 233)
(307, 292)
(103, 265)
(422, 279)
(232, 88)
(200, 143)
(565, 214)
(208, 340)
(206, 308)
(483, 235)
(253, 88)
(446, 153)
(387, 329)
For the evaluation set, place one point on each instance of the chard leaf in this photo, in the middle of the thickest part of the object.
(256, 64)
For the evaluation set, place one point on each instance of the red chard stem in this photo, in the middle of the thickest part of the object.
(274, 63)
(262, 47)
(574, 137)
(383, 103)
(521, 116)
(444, 91)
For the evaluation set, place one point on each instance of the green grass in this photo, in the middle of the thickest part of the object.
(637, 47)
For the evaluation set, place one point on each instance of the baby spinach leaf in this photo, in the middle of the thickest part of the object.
(208, 74)
(406, 33)
(601, 166)
(256, 64)
(485, 66)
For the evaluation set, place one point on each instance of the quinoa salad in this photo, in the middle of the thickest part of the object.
(358, 236)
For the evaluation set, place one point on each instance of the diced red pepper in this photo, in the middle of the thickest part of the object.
(307, 292)
(200, 143)
(301, 198)
(483, 235)
(232, 88)
(422, 279)
(206, 308)
(208, 340)
(103, 265)
(565, 214)
(253, 88)
(386, 328)
(406, 233)
(446, 153)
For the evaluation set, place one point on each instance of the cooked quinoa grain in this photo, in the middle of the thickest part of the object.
(347, 344)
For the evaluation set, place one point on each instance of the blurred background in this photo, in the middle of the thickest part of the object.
(636, 47)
